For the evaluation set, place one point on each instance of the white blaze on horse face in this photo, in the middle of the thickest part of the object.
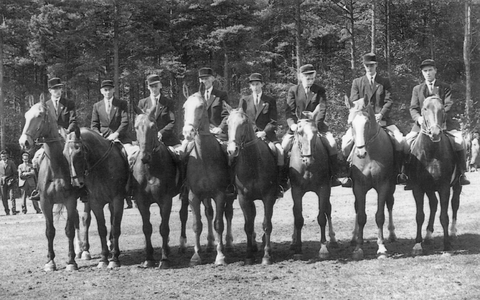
(193, 110)
(358, 127)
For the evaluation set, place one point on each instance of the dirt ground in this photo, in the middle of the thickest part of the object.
(435, 275)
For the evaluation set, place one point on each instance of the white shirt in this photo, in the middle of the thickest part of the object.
(208, 92)
(56, 103)
(108, 104)
(430, 85)
(154, 99)
(256, 98)
(371, 78)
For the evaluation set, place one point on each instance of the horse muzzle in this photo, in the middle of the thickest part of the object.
(78, 181)
(361, 152)
(146, 158)
(25, 142)
(232, 149)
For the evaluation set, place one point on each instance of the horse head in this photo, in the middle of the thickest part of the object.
(75, 153)
(38, 124)
(240, 131)
(306, 138)
(433, 114)
(364, 125)
(146, 129)
(195, 116)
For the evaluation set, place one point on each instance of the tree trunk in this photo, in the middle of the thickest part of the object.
(298, 34)
(387, 37)
(353, 49)
(2, 106)
(116, 66)
(225, 67)
(373, 29)
(466, 58)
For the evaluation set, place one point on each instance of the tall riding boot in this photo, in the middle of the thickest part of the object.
(283, 185)
(231, 190)
(334, 170)
(401, 177)
(14, 207)
(462, 166)
(407, 164)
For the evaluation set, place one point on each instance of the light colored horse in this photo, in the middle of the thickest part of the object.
(54, 183)
(372, 167)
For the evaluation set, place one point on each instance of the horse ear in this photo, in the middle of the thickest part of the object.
(227, 107)
(308, 114)
(42, 99)
(348, 103)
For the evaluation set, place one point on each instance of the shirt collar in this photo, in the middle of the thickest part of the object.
(259, 95)
(371, 76)
(107, 100)
(209, 90)
(433, 82)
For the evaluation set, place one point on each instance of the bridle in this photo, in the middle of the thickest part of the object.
(427, 129)
(300, 144)
(243, 143)
(84, 149)
(45, 121)
(371, 139)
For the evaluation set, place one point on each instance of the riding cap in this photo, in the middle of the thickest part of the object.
(255, 77)
(427, 63)
(152, 79)
(205, 72)
(307, 69)
(107, 83)
(369, 58)
(54, 83)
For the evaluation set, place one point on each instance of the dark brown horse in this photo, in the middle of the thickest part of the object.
(155, 181)
(372, 167)
(255, 178)
(309, 172)
(207, 177)
(53, 177)
(99, 166)
(432, 169)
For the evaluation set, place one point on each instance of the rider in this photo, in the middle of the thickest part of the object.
(375, 90)
(262, 110)
(66, 114)
(164, 112)
(431, 87)
(308, 96)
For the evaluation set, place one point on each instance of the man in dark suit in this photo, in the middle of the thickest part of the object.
(262, 111)
(216, 104)
(376, 91)
(110, 115)
(164, 111)
(311, 97)
(428, 88)
(61, 107)
(8, 175)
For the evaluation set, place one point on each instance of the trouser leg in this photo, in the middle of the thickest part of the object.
(462, 165)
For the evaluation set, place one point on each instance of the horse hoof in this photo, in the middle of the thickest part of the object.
(249, 261)
(220, 261)
(72, 267)
(297, 256)
(333, 244)
(50, 266)
(148, 264)
(78, 255)
(357, 254)
(195, 260)
(113, 264)
(266, 261)
(417, 249)
(382, 256)
(392, 238)
(86, 255)
(102, 265)
(164, 264)
(323, 255)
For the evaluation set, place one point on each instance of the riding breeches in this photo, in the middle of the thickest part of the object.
(327, 139)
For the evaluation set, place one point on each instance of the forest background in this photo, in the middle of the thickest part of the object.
(86, 41)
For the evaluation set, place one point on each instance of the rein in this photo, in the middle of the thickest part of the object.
(104, 156)
(371, 139)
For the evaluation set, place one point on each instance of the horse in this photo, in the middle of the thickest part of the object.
(432, 169)
(255, 178)
(372, 167)
(99, 166)
(309, 171)
(54, 184)
(154, 181)
(207, 177)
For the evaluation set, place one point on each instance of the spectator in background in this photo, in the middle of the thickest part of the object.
(8, 175)
(27, 182)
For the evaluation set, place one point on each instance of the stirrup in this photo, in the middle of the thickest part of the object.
(402, 178)
(348, 183)
(463, 180)
(335, 182)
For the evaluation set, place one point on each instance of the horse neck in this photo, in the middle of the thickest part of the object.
(54, 152)
(368, 135)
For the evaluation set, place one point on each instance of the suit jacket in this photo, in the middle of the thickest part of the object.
(217, 111)
(298, 102)
(26, 174)
(117, 121)
(263, 117)
(67, 115)
(378, 95)
(8, 170)
(421, 92)
(164, 117)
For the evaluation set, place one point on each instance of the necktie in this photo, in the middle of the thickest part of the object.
(207, 96)
(56, 106)
(109, 107)
(430, 88)
(371, 81)
(257, 100)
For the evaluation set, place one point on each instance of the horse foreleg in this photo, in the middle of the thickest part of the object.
(144, 209)
(433, 204)
(165, 210)
(267, 228)
(47, 209)
(380, 220)
(209, 216)
(83, 238)
(183, 219)
(102, 233)
(229, 218)
(247, 206)
(197, 228)
(72, 223)
(444, 200)
(117, 213)
(420, 218)
(457, 189)
(392, 237)
(219, 227)
(296, 245)
(331, 232)
(361, 221)
(324, 208)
